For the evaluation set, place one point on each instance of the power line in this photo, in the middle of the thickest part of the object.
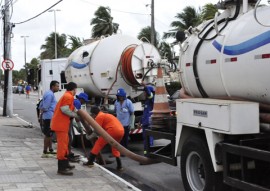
(39, 13)
(116, 9)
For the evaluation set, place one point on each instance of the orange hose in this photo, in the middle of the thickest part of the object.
(126, 66)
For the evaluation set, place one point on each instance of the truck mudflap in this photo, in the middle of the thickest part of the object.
(254, 171)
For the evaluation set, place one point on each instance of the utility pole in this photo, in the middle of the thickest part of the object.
(153, 31)
(55, 37)
(8, 97)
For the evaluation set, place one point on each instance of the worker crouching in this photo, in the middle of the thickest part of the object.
(114, 128)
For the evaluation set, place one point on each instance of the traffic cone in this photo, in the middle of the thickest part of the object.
(161, 107)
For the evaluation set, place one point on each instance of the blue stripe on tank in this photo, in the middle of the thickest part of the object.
(77, 65)
(246, 46)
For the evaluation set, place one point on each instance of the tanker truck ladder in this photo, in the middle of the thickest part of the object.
(253, 155)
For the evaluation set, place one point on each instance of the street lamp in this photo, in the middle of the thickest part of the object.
(24, 49)
(55, 40)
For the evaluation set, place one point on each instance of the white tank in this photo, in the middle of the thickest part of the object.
(236, 63)
(98, 68)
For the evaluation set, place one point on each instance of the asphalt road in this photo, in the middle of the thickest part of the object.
(155, 177)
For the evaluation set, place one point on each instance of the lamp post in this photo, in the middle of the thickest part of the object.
(55, 40)
(24, 37)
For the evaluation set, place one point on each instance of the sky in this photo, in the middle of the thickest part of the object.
(74, 19)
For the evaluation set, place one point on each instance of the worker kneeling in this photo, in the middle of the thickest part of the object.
(114, 128)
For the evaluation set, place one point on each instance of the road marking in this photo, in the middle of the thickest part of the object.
(84, 159)
(119, 178)
(28, 123)
(17, 116)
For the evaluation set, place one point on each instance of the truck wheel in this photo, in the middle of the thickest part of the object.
(196, 166)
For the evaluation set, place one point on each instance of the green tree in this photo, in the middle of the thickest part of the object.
(208, 11)
(166, 51)
(103, 23)
(18, 75)
(1, 75)
(189, 17)
(146, 33)
(75, 43)
(49, 47)
(32, 69)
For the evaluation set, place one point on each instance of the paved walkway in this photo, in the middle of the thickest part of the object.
(23, 169)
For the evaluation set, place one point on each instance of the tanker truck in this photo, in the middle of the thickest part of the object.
(222, 132)
(117, 61)
(104, 65)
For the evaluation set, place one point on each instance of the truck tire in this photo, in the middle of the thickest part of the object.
(196, 167)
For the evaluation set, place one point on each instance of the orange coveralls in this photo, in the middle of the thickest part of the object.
(113, 127)
(60, 125)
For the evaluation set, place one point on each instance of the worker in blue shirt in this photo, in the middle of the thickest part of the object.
(147, 112)
(82, 98)
(124, 110)
(46, 107)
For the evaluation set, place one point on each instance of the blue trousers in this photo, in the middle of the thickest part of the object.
(124, 141)
(151, 139)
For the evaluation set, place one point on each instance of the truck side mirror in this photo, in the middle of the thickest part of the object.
(180, 36)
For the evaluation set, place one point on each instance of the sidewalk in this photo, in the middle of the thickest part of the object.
(23, 169)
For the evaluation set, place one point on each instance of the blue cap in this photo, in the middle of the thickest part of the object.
(83, 96)
(121, 92)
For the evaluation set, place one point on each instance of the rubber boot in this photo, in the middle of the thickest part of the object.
(119, 164)
(91, 159)
(62, 168)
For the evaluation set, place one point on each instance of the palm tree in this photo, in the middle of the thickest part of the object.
(189, 17)
(165, 51)
(49, 47)
(103, 23)
(145, 35)
(208, 11)
(75, 42)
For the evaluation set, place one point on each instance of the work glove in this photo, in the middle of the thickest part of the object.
(78, 126)
(91, 136)
(131, 122)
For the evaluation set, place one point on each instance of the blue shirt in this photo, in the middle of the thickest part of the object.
(28, 88)
(124, 111)
(48, 104)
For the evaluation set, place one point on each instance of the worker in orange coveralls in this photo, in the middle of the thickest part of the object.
(63, 115)
(114, 128)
